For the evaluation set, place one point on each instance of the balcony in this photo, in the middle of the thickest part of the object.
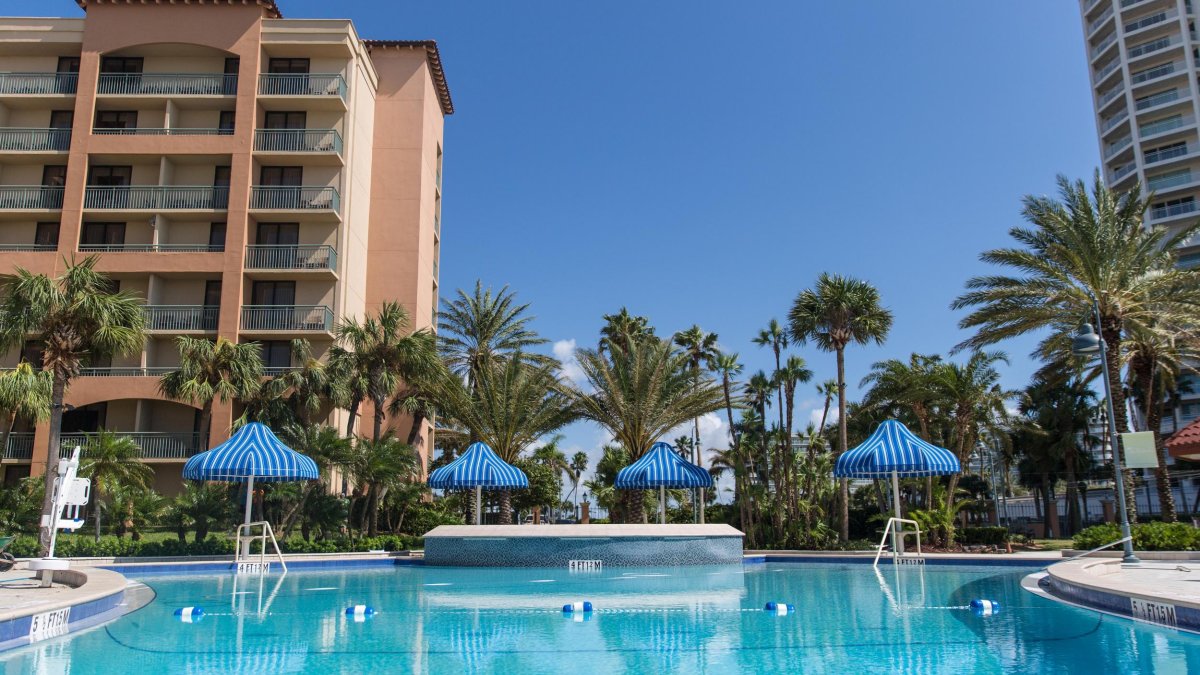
(150, 248)
(294, 198)
(1172, 210)
(1152, 47)
(1106, 96)
(1157, 72)
(125, 372)
(1106, 70)
(291, 258)
(18, 84)
(157, 197)
(167, 84)
(30, 197)
(287, 318)
(1162, 155)
(181, 318)
(1163, 126)
(16, 139)
(154, 444)
(302, 84)
(298, 140)
(1117, 146)
(1100, 20)
(20, 446)
(161, 131)
(1100, 48)
(1147, 21)
(1121, 172)
(1169, 180)
(1156, 100)
(1107, 125)
(26, 248)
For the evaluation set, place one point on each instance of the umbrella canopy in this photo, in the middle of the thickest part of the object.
(662, 467)
(893, 449)
(254, 454)
(478, 467)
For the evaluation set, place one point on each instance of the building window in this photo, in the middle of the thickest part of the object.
(1173, 207)
(121, 64)
(110, 176)
(285, 120)
(282, 175)
(212, 293)
(287, 66)
(103, 234)
(68, 64)
(46, 235)
(277, 354)
(216, 237)
(278, 234)
(273, 293)
(62, 119)
(116, 119)
(225, 124)
(54, 175)
(232, 64)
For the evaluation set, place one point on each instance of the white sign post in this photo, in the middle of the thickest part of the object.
(71, 494)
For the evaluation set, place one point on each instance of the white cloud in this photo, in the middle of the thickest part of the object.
(564, 351)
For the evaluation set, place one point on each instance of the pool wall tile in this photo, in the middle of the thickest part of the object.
(559, 551)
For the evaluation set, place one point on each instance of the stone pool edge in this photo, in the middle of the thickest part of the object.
(1080, 583)
(97, 596)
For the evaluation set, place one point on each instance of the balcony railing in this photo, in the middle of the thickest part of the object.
(295, 198)
(1108, 42)
(1172, 152)
(163, 131)
(20, 445)
(38, 83)
(1112, 93)
(157, 197)
(30, 197)
(1121, 172)
(181, 318)
(1161, 126)
(1117, 146)
(1170, 210)
(289, 318)
(1157, 99)
(1152, 46)
(167, 84)
(21, 248)
(1147, 21)
(276, 371)
(1104, 71)
(298, 140)
(1155, 72)
(118, 371)
(320, 257)
(150, 248)
(1170, 180)
(154, 444)
(302, 84)
(1106, 125)
(35, 140)
(1099, 21)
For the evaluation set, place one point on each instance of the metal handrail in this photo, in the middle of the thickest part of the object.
(123, 371)
(155, 197)
(38, 83)
(1122, 540)
(295, 198)
(290, 318)
(28, 247)
(181, 317)
(315, 257)
(900, 532)
(36, 197)
(162, 131)
(34, 139)
(20, 445)
(298, 140)
(243, 555)
(153, 444)
(150, 248)
(1156, 99)
(168, 84)
(302, 84)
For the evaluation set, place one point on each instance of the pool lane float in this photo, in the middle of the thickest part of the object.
(985, 607)
(190, 614)
(360, 613)
(779, 608)
(579, 611)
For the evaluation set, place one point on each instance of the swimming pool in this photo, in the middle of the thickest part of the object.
(678, 619)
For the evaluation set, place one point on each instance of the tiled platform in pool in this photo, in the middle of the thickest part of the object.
(557, 545)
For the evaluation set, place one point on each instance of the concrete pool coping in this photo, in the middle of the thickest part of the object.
(79, 599)
(1164, 590)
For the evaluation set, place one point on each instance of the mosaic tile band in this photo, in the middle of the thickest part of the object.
(558, 552)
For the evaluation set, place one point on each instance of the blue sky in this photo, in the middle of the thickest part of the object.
(701, 163)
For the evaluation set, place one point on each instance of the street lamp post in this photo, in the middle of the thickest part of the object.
(1088, 342)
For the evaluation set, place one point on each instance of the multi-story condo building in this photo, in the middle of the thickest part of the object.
(251, 176)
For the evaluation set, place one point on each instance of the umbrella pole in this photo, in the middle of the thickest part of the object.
(897, 536)
(662, 501)
(245, 552)
(478, 505)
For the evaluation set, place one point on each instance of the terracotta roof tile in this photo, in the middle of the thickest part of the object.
(435, 65)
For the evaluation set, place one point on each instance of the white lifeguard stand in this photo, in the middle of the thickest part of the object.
(71, 494)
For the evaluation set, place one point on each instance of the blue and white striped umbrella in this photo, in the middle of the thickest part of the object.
(251, 453)
(662, 467)
(478, 467)
(893, 449)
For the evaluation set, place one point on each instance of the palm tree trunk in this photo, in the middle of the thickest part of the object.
(373, 510)
(415, 429)
(57, 392)
(843, 442)
(8, 420)
(506, 507)
(1162, 475)
(378, 428)
(353, 414)
(206, 423)
(96, 501)
(825, 411)
(1074, 519)
(1110, 331)
(635, 506)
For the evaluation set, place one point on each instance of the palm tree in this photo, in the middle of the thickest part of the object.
(579, 464)
(775, 337)
(793, 372)
(701, 349)
(827, 389)
(478, 329)
(378, 465)
(310, 382)
(1084, 249)
(907, 384)
(328, 449)
(75, 316)
(213, 371)
(622, 329)
(24, 394)
(552, 458)
(349, 369)
(515, 403)
(201, 505)
(973, 399)
(112, 462)
(641, 393)
(387, 353)
(419, 404)
(838, 312)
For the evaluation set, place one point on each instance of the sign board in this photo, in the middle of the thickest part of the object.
(1153, 612)
(1140, 452)
(49, 624)
(253, 567)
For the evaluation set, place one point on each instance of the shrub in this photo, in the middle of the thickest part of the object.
(115, 547)
(1146, 536)
(986, 536)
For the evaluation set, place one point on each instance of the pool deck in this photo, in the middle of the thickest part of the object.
(81, 598)
(1163, 590)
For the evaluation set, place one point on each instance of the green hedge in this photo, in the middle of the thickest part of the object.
(1146, 537)
(109, 546)
(986, 536)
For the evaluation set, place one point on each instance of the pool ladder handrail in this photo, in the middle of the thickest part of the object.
(899, 532)
(243, 555)
(1122, 540)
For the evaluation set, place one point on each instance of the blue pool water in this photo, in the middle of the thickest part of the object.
(684, 620)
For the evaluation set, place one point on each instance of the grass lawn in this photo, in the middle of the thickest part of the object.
(1053, 544)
